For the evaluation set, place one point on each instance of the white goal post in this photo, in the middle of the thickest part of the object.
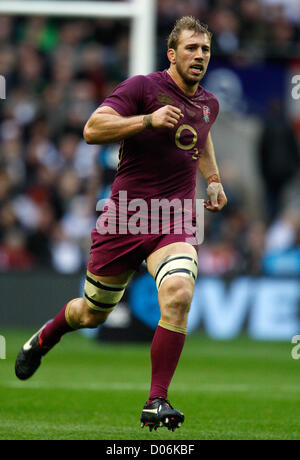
(141, 13)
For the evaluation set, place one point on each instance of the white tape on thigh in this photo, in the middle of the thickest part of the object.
(101, 296)
(176, 265)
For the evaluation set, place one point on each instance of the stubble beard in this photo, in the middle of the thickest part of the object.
(187, 80)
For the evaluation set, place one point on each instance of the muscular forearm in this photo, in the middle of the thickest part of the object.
(103, 128)
(208, 163)
(210, 171)
(106, 126)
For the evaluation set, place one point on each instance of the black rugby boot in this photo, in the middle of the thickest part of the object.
(159, 413)
(29, 357)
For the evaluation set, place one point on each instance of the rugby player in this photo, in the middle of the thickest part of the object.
(163, 123)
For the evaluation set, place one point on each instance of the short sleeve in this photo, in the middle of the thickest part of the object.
(126, 99)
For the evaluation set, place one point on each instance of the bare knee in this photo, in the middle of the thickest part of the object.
(85, 317)
(175, 298)
(93, 318)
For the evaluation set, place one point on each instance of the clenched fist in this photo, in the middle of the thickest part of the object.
(217, 197)
(165, 117)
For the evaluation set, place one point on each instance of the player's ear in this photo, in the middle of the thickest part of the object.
(171, 55)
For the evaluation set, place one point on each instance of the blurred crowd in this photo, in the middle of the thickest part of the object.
(58, 71)
(242, 29)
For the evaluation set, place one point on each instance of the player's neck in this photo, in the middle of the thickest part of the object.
(187, 89)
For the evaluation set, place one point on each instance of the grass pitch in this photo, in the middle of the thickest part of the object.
(235, 390)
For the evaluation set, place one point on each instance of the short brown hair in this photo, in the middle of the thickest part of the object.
(186, 23)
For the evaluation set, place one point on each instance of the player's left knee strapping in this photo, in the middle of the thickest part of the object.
(102, 296)
(176, 265)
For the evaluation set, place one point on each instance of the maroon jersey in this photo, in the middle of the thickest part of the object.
(162, 162)
(159, 164)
